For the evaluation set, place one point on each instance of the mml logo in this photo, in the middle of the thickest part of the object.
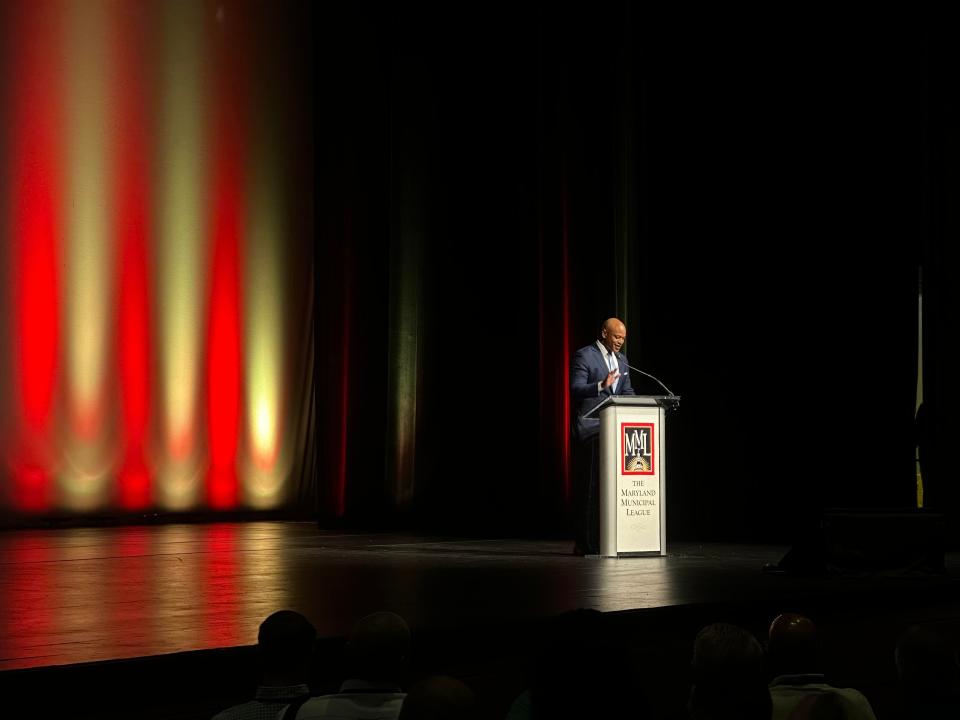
(636, 443)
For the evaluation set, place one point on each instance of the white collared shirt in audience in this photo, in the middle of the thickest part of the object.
(357, 700)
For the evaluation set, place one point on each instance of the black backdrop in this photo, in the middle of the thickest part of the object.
(757, 201)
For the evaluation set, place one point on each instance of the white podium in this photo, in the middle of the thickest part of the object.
(633, 515)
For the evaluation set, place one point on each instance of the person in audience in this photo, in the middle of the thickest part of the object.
(793, 651)
(439, 698)
(285, 646)
(929, 675)
(728, 679)
(377, 653)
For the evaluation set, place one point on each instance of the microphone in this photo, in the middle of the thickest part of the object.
(670, 394)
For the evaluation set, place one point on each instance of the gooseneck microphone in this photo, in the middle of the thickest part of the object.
(670, 394)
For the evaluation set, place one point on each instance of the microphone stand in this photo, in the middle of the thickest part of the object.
(671, 401)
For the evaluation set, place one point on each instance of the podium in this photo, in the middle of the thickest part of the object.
(633, 515)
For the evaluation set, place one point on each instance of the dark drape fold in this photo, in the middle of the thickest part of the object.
(941, 283)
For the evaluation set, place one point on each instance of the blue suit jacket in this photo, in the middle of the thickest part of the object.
(587, 370)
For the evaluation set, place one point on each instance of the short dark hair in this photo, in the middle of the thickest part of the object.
(286, 640)
(722, 648)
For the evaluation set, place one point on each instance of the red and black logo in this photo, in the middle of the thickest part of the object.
(636, 442)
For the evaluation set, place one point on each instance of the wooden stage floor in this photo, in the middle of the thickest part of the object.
(82, 595)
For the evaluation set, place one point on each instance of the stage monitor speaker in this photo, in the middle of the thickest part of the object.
(887, 542)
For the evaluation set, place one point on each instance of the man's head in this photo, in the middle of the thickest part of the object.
(286, 643)
(793, 646)
(613, 334)
(379, 646)
(728, 680)
(721, 650)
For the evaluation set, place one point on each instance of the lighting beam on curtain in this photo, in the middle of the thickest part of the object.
(149, 313)
(181, 251)
(89, 258)
(266, 314)
(131, 66)
(223, 364)
(32, 45)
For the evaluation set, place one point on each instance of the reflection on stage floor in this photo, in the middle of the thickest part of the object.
(88, 594)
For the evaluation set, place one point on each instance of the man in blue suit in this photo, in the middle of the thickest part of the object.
(598, 371)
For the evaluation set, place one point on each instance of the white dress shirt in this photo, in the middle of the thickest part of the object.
(612, 363)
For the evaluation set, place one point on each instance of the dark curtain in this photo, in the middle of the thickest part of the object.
(940, 427)
(496, 181)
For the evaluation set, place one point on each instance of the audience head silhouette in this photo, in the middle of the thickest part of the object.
(378, 647)
(799, 689)
(286, 642)
(728, 679)
(285, 646)
(793, 646)
(721, 649)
